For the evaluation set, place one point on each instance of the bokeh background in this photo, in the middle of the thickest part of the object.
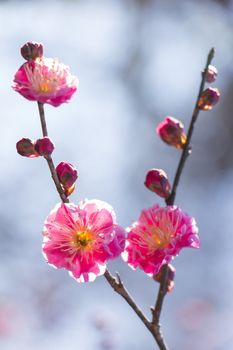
(137, 61)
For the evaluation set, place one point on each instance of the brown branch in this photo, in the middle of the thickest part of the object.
(117, 285)
(49, 158)
(187, 150)
(156, 311)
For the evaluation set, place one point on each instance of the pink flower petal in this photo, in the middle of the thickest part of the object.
(81, 238)
(157, 237)
(45, 80)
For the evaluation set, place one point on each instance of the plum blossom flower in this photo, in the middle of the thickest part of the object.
(81, 238)
(45, 80)
(158, 236)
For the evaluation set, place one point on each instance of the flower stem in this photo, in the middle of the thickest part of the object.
(42, 119)
(49, 158)
(171, 199)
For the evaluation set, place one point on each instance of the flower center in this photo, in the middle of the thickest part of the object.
(44, 87)
(160, 238)
(155, 238)
(83, 239)
(46, 76)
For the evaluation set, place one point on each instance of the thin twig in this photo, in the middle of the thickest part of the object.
(186, 151)
(160, 297)
(171, 199)
(49, 158)
(117, 285)
(42, 119)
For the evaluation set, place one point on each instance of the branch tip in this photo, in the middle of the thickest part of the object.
(211, 54)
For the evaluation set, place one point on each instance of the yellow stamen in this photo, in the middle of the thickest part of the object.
(160, 238)
(44, 87)
(83, 239)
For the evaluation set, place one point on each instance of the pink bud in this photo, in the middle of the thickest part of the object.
(67, 174)
(25, 147)
(170, 277)
(157, 181)
(211, 74)
(31, 51)
(172, 132)
(208, 99)
(44, 146)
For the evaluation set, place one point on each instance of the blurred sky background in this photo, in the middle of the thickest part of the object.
(137, 61)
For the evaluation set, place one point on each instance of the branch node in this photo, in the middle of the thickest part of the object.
(189, 150)
(118, 280)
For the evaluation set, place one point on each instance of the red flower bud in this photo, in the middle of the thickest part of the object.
(67, 174)
(31, 51)
(157, 181)
(170, 277)
(211, 74)
(44, 146)
(26, 148)
(172, 132)
(69, 191)
(208, 99)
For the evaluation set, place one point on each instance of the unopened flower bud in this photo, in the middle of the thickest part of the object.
(170, 277)
(31, 51)
(157, 181)
(69, 191)
(208, 99)
(67, 174)
(44, 146)
(26, 148)
(211, 74)
(172, 132)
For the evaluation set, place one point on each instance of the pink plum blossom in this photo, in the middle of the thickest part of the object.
(158, 236)
(45, 80)
(81, 238)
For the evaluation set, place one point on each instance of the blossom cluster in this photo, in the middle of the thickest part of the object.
(82, 237)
